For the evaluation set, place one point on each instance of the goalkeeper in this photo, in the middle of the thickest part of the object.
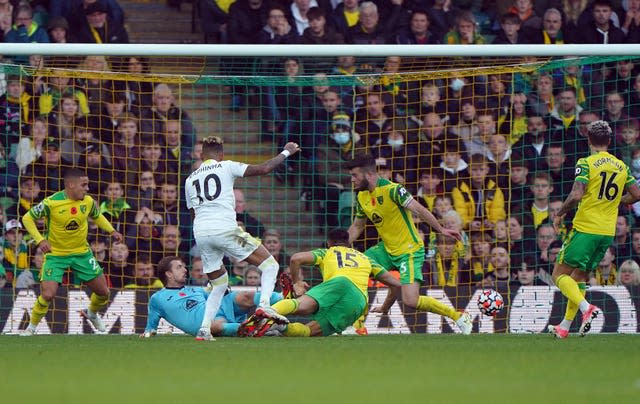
(334, 304)
(183, 306)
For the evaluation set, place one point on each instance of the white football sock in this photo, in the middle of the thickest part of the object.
(218, 289)
(269, 269)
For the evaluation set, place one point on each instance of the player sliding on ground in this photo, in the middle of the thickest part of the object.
(333, 305)
(65, 246)
(597, 190)
(209, 192)
(390, 207)
(184, 306)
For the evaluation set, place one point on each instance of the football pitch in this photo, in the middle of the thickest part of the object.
(343, 369)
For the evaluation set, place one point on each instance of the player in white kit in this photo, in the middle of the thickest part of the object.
(209, 192)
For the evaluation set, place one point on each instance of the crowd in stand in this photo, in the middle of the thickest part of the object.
(492, 155)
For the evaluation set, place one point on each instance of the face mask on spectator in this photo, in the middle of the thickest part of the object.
(395, 143)
(456, 84)
(342, 137)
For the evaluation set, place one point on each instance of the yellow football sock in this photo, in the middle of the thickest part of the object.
(428, 303)
(572, 308)
(297, 330)
(359, 323)
(569, 288)
(39, 310)
(97, 302)
(286, 306)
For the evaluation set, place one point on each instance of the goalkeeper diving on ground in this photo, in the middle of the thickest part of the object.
(183, 306)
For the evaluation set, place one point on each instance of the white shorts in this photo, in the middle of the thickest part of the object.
(236, 243)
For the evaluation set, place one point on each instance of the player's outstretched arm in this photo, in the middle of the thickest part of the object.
(576, 194)
(422, 212)
(270, 165)
(632, 195)
(356, 229)
(295, 266)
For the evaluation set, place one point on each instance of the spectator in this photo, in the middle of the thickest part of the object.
(510, 33)
(319, 32)
(58, 30)
(575, 142)
(551, 32)
(631, 24)
(98, 246)
(430, 101)
(554, 207)
(117, 268)
(252, 225)
(6, 17)
(525, 11)
(372, 121)
(442, 16)
(479, 201)
(480, 256)
(401, 152)
(197, 277)
(545, 235)
(246, 19)
(237, 272)
(499, 96)
(298, 16)
(28, 279)
(15, 111)
(614, 112)
(533, 145)
(454, 167)
(542, 188)
(61, 125)
(139, 93)
(144, 274)
(99, 27)
(370, 29)
(606, 273)
(74, 10)
(518, 191)
(53, 101)
(542, 101)
(622, 239)
(83, 137)
(125, 150)
(527, 275)
(142, 192)
(500, 277)
(430, 187)
(464, 32)
(576, 15)
(629, 274)
(273, 243)
(168, 207)
(562, 174)
(601, 29)
(153, 120)
(565, 114)
(170, 244)
(467, 127)
(96, 161)
(418, 32)
(30, 149)
(25, 30)
(214, 17)
(447, 266)
(277, 30)
(520, 243)
(153, 160)
(433, 138)
(628, 135)
(115, 207)
(498, 155)
(48, 167)
(15, 250)
(251, 276)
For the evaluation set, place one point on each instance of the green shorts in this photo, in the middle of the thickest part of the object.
(84, 267)
(409, 265)
(583, 251)
(340, 303)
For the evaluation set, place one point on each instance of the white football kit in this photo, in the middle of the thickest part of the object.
(209, 192)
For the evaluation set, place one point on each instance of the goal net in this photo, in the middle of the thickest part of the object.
(488, 144)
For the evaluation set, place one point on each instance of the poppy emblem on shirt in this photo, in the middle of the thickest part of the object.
(182, 294)
(74, 210)
(373, 201)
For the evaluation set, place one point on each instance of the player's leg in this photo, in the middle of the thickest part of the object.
(87, 269)
(53, 269)
(410, 266)
(269, 268)
(218, 281)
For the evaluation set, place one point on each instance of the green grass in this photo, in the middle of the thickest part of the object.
(375, 369)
